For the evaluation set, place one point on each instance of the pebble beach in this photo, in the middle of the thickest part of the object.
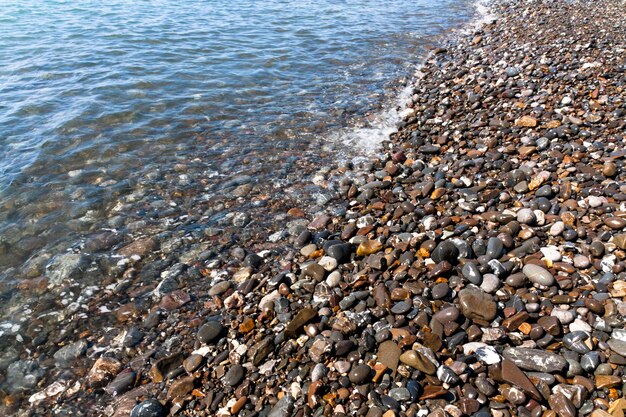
(476, 266)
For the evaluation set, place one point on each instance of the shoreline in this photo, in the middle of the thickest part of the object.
(476, 267)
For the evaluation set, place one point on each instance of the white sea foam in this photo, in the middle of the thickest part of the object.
(364, 141)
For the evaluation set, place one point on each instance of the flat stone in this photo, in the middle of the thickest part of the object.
(477, 305)
(418, 361)
(368, 247)
(513, 375)
(617, 346)
(67, 266)
(181, 387)
(526, 121)
(67, 354)
(535, 359)
(297, 323)
(562, 406)
(102, 371)
(389, 355)
(140, 247)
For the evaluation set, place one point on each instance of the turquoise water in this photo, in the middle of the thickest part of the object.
(94, 94)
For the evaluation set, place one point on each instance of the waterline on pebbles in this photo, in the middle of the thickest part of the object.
(495, 169)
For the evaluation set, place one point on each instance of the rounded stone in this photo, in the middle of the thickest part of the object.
(234, 375)
(440, 290)
(538, 275)
(494, 248)
(445, 251)
(447, 315)
(401, 307)
(148, 408)
(359, 374)
(471, 273)
(210, 331)
(526, 216)
(490, 283)
(615, 223)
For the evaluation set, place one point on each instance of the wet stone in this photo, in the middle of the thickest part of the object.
(471, 273)
(440, 291)
(210, 331)
(65, 356)
(615, 223)
(445, 251)
(122, 383)
(181, 387)
(102, 371)
(148, 408)
(447, 315)
(494, 248)
(590, 361)
(400, 394)
(193, 362)
(341, 252)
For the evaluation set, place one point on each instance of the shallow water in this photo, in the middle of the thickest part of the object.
(100, 100)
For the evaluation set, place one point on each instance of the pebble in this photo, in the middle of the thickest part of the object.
(535, 359)
(471, 273)
(210, 331)
(538, 275)
(418, 361)
(148, 408)
(477, 305)
(360, 374)
(490, 284)
(526, 216)
(473, 267)
(234, 375)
